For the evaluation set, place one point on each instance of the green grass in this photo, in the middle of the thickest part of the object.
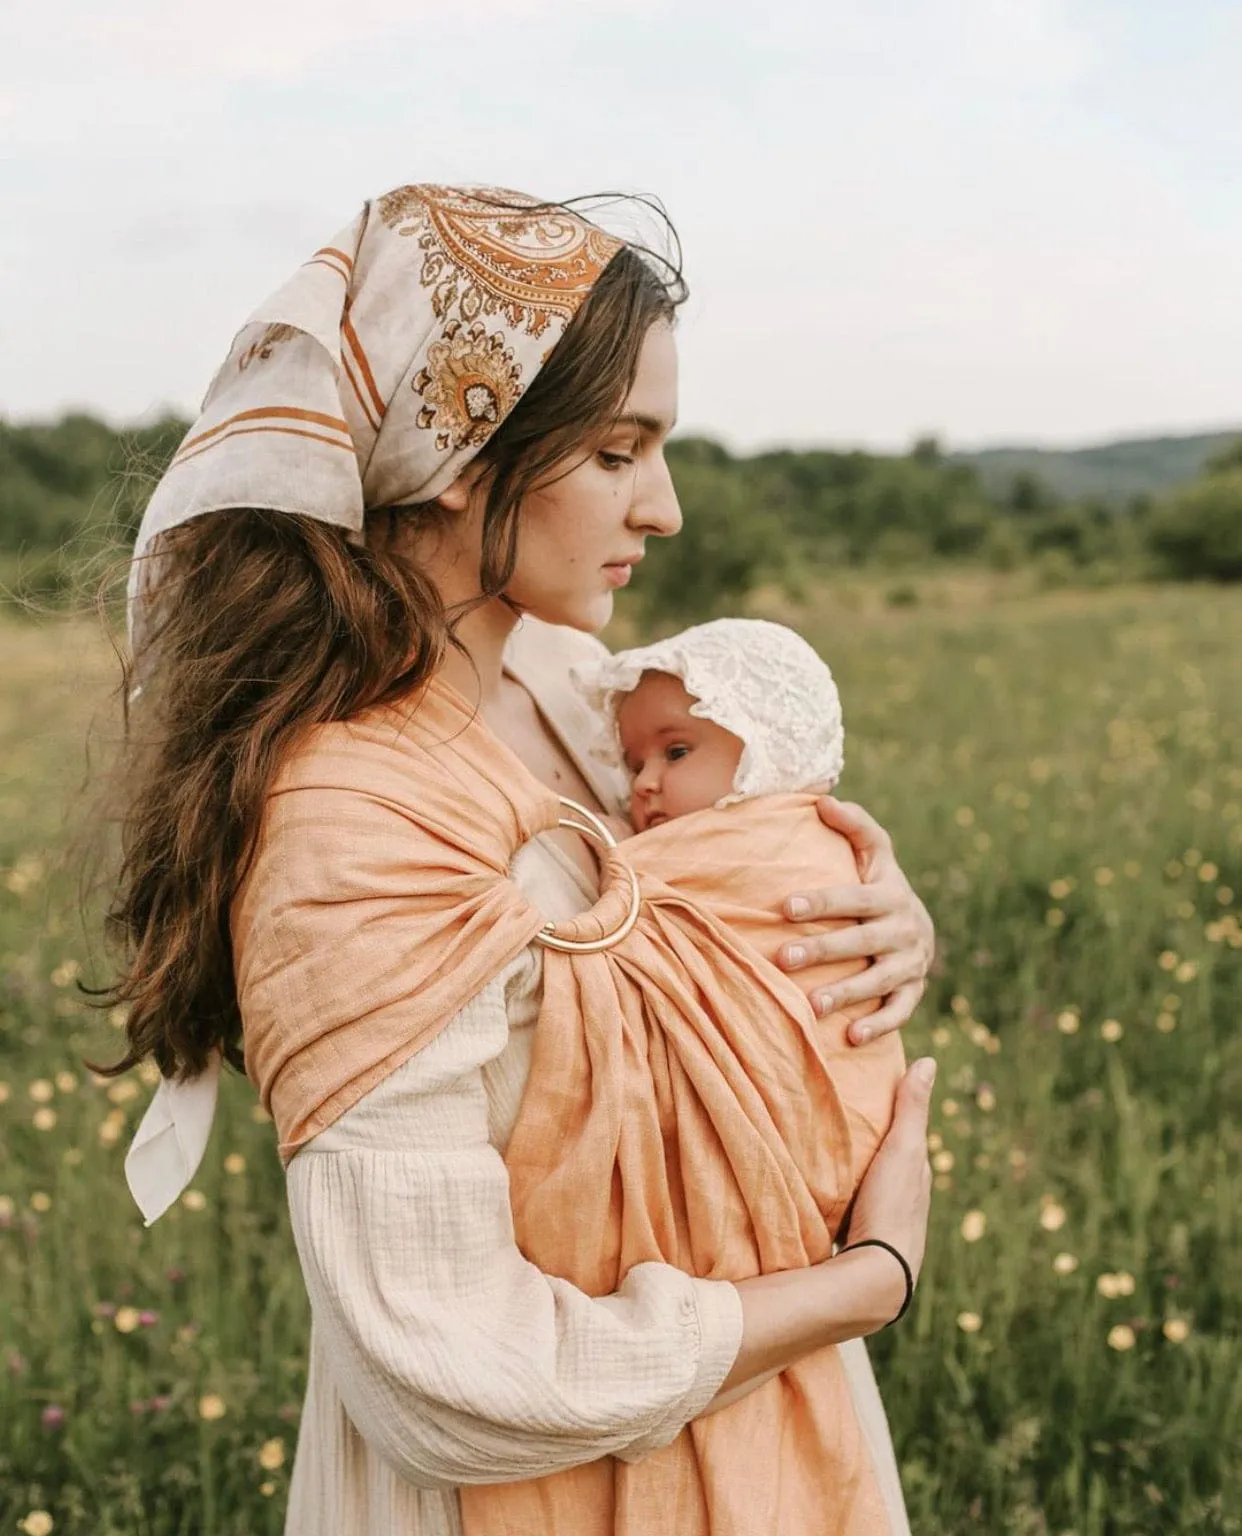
(1063, 778)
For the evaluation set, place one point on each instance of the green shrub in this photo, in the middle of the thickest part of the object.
(1198, 533)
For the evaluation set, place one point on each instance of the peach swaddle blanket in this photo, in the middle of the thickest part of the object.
(681, 1105)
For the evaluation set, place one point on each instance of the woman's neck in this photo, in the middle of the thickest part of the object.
(477, 671)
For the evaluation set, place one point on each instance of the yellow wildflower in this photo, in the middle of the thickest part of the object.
(1111, 1030)
(40, 1202)
(1052, 1217)
(1065, 1264)
(234, 1163)
(1176, 1330)
(194, 1200)
(211, 1407)
(41, 1091)
(969, 1322)
(43, 1119)
(126, 1319)
(1068, 1021)
(272, 1454)
(66, 1082)
(1121, 1337)
(974, 1225)
(37, 1523)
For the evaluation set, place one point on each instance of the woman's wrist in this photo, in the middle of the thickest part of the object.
(872, 1289)
(790, 1315)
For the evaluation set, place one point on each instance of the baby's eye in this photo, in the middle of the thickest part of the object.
(675, 752)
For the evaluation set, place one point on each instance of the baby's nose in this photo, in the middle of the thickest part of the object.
(647, 779)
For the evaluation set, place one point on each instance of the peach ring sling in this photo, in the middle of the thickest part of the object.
(679, 1106)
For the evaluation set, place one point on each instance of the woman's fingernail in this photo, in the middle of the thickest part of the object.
(861, 1035)
(925, 1070)
(795, 955)
(823, 1003)
(799, 907)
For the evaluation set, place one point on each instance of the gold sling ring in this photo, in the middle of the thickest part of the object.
(589, 825)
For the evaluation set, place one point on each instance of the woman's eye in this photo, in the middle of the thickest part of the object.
(614, 460)
(674, 753)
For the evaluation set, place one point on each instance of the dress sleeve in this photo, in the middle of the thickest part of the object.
(457, 1360)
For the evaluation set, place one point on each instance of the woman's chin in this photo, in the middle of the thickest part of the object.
(588, 614)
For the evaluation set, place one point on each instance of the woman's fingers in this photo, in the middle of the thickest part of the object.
(896, 1013)
(842, 902)
(871, 842)
(878, 980)
(860, 941)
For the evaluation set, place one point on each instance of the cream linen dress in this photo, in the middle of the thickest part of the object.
(438, 1355)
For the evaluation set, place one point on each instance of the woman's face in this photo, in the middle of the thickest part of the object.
(581, 533)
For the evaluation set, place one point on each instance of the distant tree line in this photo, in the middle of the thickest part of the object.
(72, 491)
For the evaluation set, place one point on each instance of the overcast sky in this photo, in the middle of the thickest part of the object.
(994, 220)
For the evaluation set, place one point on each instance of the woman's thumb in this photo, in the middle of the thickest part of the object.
(914, 1098)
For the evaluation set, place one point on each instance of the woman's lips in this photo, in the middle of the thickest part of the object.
(619, 575)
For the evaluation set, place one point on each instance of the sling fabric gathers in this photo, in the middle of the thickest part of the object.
(680, 1107)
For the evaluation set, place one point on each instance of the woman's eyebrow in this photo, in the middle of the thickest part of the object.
(656, 426)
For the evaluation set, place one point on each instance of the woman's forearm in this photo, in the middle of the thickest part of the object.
(789, 1315)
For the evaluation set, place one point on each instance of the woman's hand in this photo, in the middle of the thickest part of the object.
(790, 1314)
(894, 1199)
(893, 928)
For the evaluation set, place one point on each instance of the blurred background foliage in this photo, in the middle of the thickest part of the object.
(72, 491)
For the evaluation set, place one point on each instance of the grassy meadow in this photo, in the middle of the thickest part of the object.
(1062, 773)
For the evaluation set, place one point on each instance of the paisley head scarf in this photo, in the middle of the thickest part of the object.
(378, 371)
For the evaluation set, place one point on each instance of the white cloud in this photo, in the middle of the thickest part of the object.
(238, 40)
(983, 217)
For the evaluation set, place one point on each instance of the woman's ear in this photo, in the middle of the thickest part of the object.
(456, 498)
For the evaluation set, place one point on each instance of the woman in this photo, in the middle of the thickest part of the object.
(453, 415)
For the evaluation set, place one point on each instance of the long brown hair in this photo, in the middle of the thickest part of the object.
(266, 623)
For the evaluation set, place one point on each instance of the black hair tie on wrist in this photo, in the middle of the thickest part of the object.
(878, 1242)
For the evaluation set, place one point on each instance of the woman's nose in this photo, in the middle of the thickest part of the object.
(656, 509)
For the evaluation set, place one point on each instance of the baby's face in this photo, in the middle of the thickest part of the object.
(679, 763)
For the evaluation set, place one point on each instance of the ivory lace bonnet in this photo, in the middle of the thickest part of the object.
(759, 680)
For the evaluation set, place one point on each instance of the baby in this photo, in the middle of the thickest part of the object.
(730, 731)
